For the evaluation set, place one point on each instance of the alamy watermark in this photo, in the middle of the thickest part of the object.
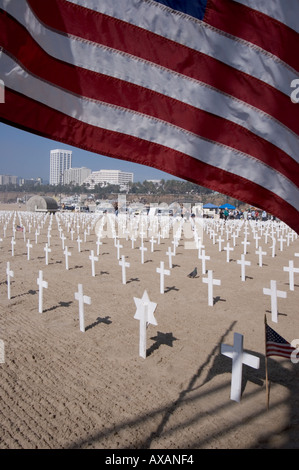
(295, 93)
(181, 219)
(2, 91)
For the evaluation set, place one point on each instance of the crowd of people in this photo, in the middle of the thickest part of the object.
(246, 214)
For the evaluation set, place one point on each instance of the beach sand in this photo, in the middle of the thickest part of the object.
(66, 389)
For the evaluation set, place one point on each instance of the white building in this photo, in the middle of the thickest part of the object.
(76, 175)
(8, 179)
(105, 177)
(60, 160)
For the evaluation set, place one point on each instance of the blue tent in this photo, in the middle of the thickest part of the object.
(226, 206)
(209, 206)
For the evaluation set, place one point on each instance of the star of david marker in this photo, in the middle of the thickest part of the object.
(239, 358)
(145, 315)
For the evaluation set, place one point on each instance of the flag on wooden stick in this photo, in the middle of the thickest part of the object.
(275, 345)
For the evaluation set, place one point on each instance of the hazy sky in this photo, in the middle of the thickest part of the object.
(28, 156)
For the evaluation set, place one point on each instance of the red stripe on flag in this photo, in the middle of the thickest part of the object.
(34, 117)
(102, 29)
(256, 27)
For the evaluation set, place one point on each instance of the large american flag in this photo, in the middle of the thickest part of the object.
(276, 345)
(199, 89)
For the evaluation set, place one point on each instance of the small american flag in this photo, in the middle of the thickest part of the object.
(276, 345)
(20, 228)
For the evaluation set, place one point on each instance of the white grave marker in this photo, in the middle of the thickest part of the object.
(291, 270)
(142, 249)
(67, 254)
(170, 254)
(145, 315)
(124, 265)
(203, 258)
(239, 357)
(93, 259)
(260, 254)
(28, 248)
(152, 242)
(82, 299)
(79, 243)
(47, 250)
(13, 242)
(10, 274)
(211, 282)
(274, 293)
(98, 243)
(162, 273)
(42, 284)
(118, 247)
(245, 243)
(227, 248)
(243, 263)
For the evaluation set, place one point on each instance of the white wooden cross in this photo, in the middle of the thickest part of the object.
(98, 243)
(145, 315)
(93, 259)
(10, 274)
(203, 258)
(239, 357)
(170, 254)
(245, 243)
(211, 282)
(118, 246)
(274, 293)
(162, 273)
(281, 240)
(291, 270)
(133, 239)
(273, 246)
(220, 240)
(82, 299)
(63, 238)
(257, 238)
(67, 254)
(79, 243)
(243, 263)
(47, 250)
(142, 249)
(42, 284)
(49, 237)
(13, 242)
(260, 253)
(28, 248)
(227, 248)
(152, 242)
(124, 265)
(234, 236)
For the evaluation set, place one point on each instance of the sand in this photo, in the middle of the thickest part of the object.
(66, 389)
